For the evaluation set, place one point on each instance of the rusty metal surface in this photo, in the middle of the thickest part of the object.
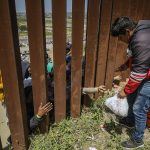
(59, 46)
(10, 65)
(135, 8)
(105, 19)
(91, 43)
(37, 47)
(10, 62)
(112, 48)
(139, 10)
(146, 8)
(121, 53)
(77, 48)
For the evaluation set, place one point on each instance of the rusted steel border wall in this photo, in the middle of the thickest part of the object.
(103, 54)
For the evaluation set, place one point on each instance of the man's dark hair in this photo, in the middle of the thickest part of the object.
(121, 24)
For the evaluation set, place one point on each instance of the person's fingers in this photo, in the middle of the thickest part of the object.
(46, 111)
(41, 104)
(102, 88)
(51, 104)
(118, 77)
(46, 105)
(118, 95)
(102, 91)
(48, 108)
(106, 92)
(117, 69)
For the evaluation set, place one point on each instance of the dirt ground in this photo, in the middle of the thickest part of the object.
(112, 134)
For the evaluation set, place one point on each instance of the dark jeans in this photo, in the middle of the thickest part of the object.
(139, 103)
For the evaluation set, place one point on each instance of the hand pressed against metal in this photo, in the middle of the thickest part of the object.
(43, 110)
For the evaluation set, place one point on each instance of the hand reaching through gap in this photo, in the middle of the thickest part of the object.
(123, 67)
(43, 110)
(91, 90)
(102, 88)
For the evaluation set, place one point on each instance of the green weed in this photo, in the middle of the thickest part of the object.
(84, 132)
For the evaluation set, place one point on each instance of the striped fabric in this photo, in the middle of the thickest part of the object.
(137, 77)
(135, 80)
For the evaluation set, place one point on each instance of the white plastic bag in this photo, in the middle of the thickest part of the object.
(118, 106)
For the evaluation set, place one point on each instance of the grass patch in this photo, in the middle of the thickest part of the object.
(84, 132)
(71, 133)
(23, 34)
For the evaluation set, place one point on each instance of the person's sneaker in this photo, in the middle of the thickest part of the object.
(130, 144)
(126, 123)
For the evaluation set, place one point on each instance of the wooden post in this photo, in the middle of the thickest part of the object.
(37, 47)
(59, 53)
(77, 50)
(10, 65)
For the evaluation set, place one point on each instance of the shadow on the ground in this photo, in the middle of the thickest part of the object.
(112, 125)
(112, 128)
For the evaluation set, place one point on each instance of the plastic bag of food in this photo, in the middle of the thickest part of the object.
(118, 106)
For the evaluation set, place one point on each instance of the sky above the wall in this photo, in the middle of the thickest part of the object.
(20, 5)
